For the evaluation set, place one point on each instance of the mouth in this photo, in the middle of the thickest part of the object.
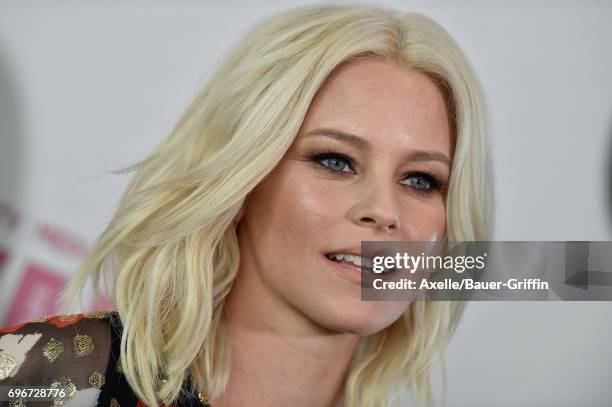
(363, 264)
(349, 269)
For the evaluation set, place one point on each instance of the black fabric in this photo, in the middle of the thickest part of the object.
(83, 346)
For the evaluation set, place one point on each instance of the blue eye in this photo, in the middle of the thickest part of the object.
(333, 161)
(424, 181)
(421, 181)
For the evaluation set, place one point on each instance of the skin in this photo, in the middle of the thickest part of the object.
(294, 318)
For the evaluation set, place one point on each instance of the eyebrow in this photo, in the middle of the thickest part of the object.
(363, 144)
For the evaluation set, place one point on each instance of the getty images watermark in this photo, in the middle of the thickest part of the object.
(486, 270)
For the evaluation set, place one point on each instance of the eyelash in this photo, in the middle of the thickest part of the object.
(435, 182)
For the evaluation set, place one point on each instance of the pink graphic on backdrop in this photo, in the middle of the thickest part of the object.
(37, 294)
(3, 258)
(66, 243)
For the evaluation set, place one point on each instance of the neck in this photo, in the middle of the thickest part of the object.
(279, 357)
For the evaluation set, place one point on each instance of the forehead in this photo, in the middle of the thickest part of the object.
(383, 103)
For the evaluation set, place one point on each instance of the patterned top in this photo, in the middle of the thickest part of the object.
(78, 353)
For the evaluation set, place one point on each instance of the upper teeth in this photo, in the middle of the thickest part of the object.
(356, 260)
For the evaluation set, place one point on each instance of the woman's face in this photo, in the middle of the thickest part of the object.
(370, 162)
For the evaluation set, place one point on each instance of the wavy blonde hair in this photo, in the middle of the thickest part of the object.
(170, 253)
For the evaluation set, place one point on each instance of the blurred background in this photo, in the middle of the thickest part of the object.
(90, 87)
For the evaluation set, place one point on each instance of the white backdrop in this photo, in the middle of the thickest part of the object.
(87, 87)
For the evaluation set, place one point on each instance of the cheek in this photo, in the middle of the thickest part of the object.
(438, 219)
(425, 221)
(311, 210)
(290, 218)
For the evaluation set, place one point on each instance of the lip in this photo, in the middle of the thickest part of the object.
(355, 251)
(349, 271)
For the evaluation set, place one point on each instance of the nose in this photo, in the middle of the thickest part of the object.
(377, 208)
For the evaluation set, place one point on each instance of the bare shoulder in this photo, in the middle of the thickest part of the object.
(67, 351)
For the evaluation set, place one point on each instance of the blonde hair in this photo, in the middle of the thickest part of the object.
(170, 253)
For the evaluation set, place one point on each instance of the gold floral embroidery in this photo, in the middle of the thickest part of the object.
(52, 350)
(7, 364)
(114, 403)
(42, 319)
(83, 345)
(96, 314)
(96, 379)
(69, 387)
(17, 403)
(202, 397)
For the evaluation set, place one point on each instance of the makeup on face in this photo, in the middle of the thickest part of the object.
(370, 162)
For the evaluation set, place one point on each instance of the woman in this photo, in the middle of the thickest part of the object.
(228, 257)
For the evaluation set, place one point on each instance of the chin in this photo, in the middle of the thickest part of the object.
(368, 318)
